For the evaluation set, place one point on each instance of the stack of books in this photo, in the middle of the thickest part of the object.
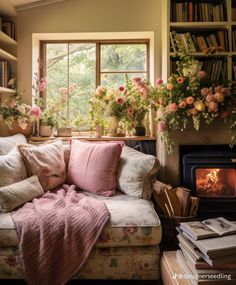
(207, 252)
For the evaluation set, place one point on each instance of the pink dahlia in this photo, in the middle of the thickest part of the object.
(36, 111)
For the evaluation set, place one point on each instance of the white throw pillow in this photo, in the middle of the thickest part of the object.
(15, 195)
(8, 143)
(12, 168)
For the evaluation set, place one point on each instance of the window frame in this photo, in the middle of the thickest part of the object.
(99, 72)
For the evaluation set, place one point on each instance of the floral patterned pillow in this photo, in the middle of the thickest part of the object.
(12, 168)
(137, 173)
(47, 162)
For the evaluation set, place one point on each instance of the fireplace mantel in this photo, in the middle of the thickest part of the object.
(215, 134)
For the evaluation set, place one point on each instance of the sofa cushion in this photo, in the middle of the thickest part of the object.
(137, 173)
(47, 162)
(8, 143)
(125, 228)
(93, 166)
(12, 168)
(14, 195)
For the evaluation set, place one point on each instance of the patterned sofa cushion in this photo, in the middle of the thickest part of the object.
(136, 173)
(125, 228)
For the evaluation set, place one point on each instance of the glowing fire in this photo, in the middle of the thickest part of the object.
(215, 182)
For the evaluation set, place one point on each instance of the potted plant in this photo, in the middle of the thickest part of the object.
(18, 116)
(47, 123)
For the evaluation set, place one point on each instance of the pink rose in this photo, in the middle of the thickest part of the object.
(182, 104)
(210, 98)
(130, 111)
(159, 81)
(212, 107)
(36, 111)
(225, 91)
(202, 73)
(42, 85)
(219, 97)
(190, 100)
(100, 91)
(161, 127)
(172, 107)
(120, 100)
(121, 88)
(204, 91)
(218, 88)
(193, 111)
(180, 80)
(137, 80)
(170, 86)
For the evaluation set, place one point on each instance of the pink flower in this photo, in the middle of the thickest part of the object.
(182, 104)
(100, 91)
(130, 229)
(120, 100)
(205, 91)
(218, 88)
(170, 86)
(121, 88)
(130, 111)
(225, 114)
(202, 73)
(137, 80)
(144, 92)
(161, 127)
(193, 111)
(210, 98)
(42, 85)
(36, 111)
(180, 80)
(219, 97)
(12, 104)
(172, 107)
(225, 91)
(159, 81)
(212, 107)
(190, 100)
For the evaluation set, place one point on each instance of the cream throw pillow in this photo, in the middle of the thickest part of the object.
(17, 194)
(12, 168)
(47, 162)
(8, 143)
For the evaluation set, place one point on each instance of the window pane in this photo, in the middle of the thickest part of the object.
(57, 64)
(123, 57)
(117, 79)
(82, 82)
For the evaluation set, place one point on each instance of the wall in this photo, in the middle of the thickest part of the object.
(84, 16)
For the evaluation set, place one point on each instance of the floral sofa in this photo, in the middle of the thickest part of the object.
(128, 247)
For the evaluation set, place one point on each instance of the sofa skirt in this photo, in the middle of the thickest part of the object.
(135, 263)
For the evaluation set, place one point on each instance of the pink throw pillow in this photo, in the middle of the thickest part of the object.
(93, 166)
(47, 162)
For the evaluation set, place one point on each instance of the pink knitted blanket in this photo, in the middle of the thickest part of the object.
(57, 232)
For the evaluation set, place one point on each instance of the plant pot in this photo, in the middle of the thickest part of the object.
(113, 125)
(16, 129)
(46, 131)
(64, 132)
(139, 131)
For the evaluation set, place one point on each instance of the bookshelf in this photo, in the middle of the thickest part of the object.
(202, 27)
(8, 46)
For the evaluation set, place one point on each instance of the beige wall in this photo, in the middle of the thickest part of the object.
(84, 16)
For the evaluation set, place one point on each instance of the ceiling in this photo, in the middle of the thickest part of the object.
(22, 2)
(27, 4)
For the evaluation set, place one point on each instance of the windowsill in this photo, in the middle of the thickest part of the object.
(91, 138)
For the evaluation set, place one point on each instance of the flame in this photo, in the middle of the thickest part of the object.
(213, 175)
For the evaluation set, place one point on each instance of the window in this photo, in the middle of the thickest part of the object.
(74, 70)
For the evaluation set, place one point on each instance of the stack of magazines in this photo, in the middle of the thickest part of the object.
(207, 252)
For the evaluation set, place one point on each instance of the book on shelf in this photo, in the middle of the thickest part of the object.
(208, 228)
(4, 73)
(7, 26)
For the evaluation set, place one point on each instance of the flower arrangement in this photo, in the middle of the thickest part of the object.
(189, 95)
(17, 110)
(126, 102)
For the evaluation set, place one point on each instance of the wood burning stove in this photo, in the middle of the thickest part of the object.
(211, 176)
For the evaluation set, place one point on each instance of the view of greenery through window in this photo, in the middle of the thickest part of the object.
(73, 73)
